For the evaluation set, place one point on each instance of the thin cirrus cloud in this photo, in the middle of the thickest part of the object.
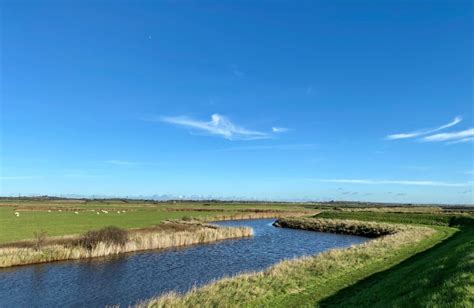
(280, 129)
(464, 140)
(397, 182)
(283, 147)
(419, 133)
(121, 162)
(455, 137)
(219, 125)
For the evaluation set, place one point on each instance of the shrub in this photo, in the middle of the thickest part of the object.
(40, 239)
(110, 235)
(186, 218)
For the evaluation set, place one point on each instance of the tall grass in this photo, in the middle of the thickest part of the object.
(353, 227)
(136, 241)
(440, 219)
(303, 281)
(394, 209)
(255, 215)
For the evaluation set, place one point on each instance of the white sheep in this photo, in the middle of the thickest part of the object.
(17, 214)
(49, 211)
(60, 210)
(76, 212)
(98, 213)
(118, 212)
(104, 211)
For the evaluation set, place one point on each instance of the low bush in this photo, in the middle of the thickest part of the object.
(110, 235)
(40, 240)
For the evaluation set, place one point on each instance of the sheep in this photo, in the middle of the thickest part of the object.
(60, 210)
(49, 211)
(98, 213)
(104, 211)
(17, 214)
(118, 212)
(76, 212)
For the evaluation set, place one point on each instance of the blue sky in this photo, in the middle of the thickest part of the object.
(344, 100)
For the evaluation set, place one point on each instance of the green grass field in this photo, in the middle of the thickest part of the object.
(34, 215)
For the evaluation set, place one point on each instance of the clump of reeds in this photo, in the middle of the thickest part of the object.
(111, 242)
(308, 274)
(341, 226)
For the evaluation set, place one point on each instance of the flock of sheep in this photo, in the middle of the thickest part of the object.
(17, 214)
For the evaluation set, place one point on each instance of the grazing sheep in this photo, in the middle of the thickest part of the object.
(17, 214)
(60, 210)
(49, 211)
(98, 213)
(76, 213)
(104, 211)
(118, 212)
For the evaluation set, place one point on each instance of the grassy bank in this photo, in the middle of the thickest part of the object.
(439, 277)
(440, 219)
(136, 240)
(307, 281)
(351, 227)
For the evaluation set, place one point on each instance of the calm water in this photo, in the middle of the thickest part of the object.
(128, 278)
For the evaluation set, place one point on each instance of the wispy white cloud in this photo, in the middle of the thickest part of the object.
(21, 177)
(464, 140)
(283, 147)
(396, 182)
(121, 162)
(459, 136)
(419, 133)
(280, 129)
(218, 125)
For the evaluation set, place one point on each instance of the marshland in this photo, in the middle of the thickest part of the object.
(236, 153)
(178, 254)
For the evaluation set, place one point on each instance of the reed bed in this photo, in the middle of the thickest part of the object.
(340, 226)
(303, 281)
(395, 209)
(256, 215)
(136, 241)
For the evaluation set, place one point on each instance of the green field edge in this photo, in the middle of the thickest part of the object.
(316, 291)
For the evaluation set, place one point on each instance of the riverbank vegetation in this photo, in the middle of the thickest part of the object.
(351, 227)
(377, 273)
(440, 219)
(113, 241)
(72, 217)
(306, 280)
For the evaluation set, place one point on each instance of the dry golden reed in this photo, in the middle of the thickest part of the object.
(12, 256)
